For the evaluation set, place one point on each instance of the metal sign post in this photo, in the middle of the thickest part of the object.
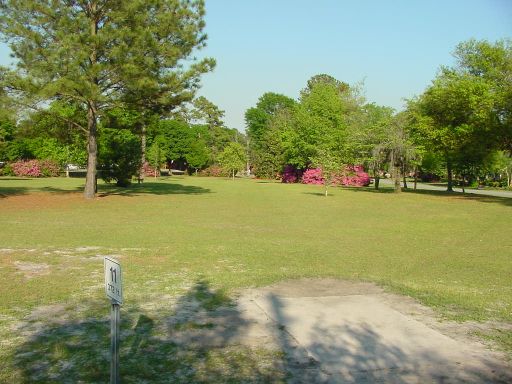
(114, 343)
(114, 290)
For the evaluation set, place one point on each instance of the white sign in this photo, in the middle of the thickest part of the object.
(113, 280)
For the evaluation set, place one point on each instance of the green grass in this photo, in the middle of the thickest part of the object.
(452, 252)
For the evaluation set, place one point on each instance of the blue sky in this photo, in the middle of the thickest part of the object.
(394, 46)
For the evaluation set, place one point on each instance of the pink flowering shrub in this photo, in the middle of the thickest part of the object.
(289, 174)
(352, 175)
(26, 168)
(214, 170)
(355, 176)
(150, 171)
(35, 168)
(313, 176)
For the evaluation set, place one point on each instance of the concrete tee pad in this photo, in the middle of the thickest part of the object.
(344, 332)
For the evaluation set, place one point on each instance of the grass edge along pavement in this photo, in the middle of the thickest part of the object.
(450, 252)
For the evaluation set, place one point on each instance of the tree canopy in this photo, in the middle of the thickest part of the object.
(465, 113)
(100, 54)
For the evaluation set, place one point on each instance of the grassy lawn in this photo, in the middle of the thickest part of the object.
(188, 239)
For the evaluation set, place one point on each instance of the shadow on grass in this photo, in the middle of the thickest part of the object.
(14, 191)
(354, 189)
(198, 340)
(150, 188)
(464, 196)
(454, 195)
(192, 342)
(14, 178)
(104, 190)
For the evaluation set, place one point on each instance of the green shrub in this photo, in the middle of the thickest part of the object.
(119, 155)
(215, 171)
(7, 170)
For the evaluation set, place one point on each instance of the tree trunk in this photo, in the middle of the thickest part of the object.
(450, 176)
(415, 177)
(233, 175)
(92, 134)
(396, 173)
(398, 188)
(143, 153)
(403, 175)
(92, 153)
(377, 181)
(463, 183)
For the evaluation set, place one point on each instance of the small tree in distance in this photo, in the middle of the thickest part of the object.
(233, 158)
(330, 164)
(197, 155)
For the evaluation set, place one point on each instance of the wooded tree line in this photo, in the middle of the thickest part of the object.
(460, 125)
(111, 85)
(99, 57)
(180, 141)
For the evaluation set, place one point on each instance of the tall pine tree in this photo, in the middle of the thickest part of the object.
(101, 54)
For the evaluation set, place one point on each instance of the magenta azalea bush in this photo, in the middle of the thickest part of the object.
(313, 176)
(150, 171)
(289, 174)
(35, 168)
(355, 176)
(352, 175)
(26, 168)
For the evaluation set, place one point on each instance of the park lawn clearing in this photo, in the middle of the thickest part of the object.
(175, 235)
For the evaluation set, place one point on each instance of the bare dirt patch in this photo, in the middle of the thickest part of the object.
(307, 331)
(357, 332)
(31, 270)
(41, 200)
(464, 331)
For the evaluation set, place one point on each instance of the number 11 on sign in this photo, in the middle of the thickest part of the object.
(113, 280)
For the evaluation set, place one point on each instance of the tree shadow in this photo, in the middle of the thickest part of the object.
(61, 191)
(151, 188)
(192, 341)
(507, 201)
(15, 191)
(12, 191)
(199, 338)
(352, 189)
(314, 194)
(104, 190)
(14, 178)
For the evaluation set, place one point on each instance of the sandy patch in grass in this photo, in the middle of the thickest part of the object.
(202, 322)
(462, 331)
(41, 200)
(31, 270)
(87, 249)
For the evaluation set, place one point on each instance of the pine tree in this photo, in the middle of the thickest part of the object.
(101, 54)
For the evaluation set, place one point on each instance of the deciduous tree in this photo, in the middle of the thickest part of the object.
(233, 158)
